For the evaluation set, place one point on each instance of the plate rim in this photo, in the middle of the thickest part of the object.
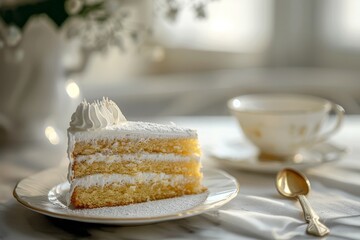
(116, 220)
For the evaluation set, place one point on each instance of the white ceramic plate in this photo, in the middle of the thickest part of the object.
(244, 156)
(45, 192)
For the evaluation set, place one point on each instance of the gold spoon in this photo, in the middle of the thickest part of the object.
(291, 183)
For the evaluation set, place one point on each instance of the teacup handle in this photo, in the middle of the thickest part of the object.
(339, 110)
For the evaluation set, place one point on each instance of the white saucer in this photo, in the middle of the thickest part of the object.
(244, 156)
(48, 197)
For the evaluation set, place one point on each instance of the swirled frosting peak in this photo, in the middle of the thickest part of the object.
(96, 115)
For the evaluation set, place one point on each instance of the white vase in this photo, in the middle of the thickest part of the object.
(32, 90)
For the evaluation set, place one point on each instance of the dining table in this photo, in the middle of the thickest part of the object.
(257, 212)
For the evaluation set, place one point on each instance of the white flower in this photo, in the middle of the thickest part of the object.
(73, 7)
(13, 36)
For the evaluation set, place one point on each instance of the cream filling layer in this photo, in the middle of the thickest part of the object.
(131, 130)
(109, 159)
(102, 180)
(99, 157)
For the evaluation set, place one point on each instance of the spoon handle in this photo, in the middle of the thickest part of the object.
(315, 227)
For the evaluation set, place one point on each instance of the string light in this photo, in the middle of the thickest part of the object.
(72, 89)
(52, 135)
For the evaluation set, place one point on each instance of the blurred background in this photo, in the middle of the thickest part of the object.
(169, 57)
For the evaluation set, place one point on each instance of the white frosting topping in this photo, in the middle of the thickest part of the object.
(134, 130)
(104, 120)
(96, 115)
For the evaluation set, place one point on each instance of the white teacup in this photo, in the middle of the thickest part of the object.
(280, 124)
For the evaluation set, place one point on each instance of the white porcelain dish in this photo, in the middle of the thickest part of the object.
(46, 191)
(244, 156)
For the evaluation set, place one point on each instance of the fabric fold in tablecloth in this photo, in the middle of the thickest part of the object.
(259, 211)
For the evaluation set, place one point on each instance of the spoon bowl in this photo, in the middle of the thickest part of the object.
(291, 183)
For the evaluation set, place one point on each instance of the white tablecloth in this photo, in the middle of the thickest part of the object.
(258, 212)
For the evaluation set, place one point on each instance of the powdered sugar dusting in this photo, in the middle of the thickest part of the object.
(145, 210)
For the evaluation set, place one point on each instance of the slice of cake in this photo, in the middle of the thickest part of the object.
(117, 162)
